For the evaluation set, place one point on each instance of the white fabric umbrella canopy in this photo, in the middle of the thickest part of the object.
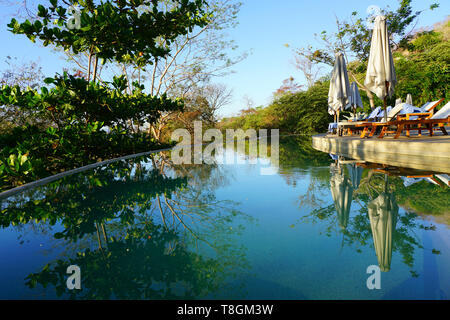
(339, 93)
(383, 213)
(380, 78)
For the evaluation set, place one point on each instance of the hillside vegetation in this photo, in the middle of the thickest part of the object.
(422, 67)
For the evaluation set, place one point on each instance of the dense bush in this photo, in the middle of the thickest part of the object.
(424, 74)
(88, 120)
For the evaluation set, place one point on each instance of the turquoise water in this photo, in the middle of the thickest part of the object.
(148, 229)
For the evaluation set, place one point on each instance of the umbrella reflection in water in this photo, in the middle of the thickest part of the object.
(342, 192)
(355, 174)
(383, 212)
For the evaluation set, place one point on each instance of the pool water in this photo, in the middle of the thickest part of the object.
(146, 228)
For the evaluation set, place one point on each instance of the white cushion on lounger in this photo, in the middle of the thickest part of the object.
(427, 107)
(394, 111)
(443, 113)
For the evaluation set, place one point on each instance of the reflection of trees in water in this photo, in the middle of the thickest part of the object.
(390, 230)
(145, 219)
(298, 160)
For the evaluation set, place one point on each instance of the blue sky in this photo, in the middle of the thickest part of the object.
(265, 26)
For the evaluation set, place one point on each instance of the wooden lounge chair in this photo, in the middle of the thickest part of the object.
(429, 107)
(440, 118)
(351, 126)
(426, 110)
(372, 126)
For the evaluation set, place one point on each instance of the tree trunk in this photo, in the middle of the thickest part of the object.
(95, 68)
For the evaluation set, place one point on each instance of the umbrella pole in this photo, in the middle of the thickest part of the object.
(385, 101)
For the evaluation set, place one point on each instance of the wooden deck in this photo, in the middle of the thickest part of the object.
(422, 153)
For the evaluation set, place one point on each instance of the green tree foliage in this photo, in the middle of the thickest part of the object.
(424, 71)
(114, 30)
(424, 198)
(88, 121)
(24, 75)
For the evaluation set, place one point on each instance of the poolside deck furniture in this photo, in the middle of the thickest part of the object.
(332, 127)
(351, 125)
(428, 123)
(426, 111)
(429, 107)
(372, 126)
(422, 119)
(380, 116)
(348, 127)
(440, 118)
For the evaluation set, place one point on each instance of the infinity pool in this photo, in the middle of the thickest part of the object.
(148, 229)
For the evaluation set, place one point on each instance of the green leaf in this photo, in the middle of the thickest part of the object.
(23, 159)
(49, 80)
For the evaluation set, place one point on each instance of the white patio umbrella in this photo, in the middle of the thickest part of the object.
(383, 213)
(380, 77)
(409, 99)
(398, 101)
(342, 192)
(355, 98)
(339, 93)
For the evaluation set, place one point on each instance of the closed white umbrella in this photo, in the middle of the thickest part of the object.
(355, 98)
(409, 99)
(339, 93)
(380, 77)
